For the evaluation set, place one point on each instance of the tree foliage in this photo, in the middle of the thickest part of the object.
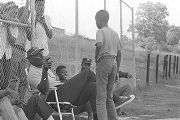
(151, 21)
(173, 36)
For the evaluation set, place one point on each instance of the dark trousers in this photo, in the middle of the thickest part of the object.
(122, 91)
(78, 91)
(5, 72)
(37, 105)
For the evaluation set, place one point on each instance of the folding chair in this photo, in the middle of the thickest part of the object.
(58, 104)
(62, 103)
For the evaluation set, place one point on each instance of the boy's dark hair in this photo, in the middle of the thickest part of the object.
(103, 15)
(59, 68)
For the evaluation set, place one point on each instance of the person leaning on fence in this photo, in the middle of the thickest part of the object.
(18, 59)
(107, 57)
(21, 110)
(76, 90)
(7, 32)
(43, 28)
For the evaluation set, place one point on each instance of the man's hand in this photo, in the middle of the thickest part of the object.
(117, 77)
(47, 64)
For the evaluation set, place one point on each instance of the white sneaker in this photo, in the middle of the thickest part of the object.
(124, 100)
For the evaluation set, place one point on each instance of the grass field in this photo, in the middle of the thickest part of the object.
(154, 101)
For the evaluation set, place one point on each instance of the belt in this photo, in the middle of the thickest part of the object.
(107, 57)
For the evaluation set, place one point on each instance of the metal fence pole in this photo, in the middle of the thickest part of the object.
(157, 67)
(169, 74)
(33, 17)
(177, 65)
(147, 69)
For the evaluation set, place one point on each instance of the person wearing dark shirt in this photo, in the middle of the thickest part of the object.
(78, 90)
(121, 96)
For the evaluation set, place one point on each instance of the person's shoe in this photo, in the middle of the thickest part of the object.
(124, 100)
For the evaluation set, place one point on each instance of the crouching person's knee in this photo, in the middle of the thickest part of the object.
(6, 109)
(5, 100)
(34, 99)
(93, 88)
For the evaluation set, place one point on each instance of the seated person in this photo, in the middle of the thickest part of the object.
(78, 90)
(35, 105)
(121, 96)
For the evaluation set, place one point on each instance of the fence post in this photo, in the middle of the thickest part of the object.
(169, 66)
(147, 74)
(157, 66)
(174, 66)
(165, 66)
(177, 65)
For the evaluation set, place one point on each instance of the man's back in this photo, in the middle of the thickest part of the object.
(41, 37)
(110, 41)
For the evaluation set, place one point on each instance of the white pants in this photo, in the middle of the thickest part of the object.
(9, 112)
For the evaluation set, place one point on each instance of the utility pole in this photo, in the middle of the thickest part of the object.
(76, 33)
(121, 19)
(133, 36)
(104, 4)
(133, 45)
(33, 17)
(77, 17)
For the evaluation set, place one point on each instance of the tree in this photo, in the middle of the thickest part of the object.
(151, 21)
(173, 36)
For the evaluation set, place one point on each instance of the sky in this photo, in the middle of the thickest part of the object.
(62, 14)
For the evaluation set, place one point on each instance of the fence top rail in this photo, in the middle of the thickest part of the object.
(15, 23)
(154, 52)
(166, 53)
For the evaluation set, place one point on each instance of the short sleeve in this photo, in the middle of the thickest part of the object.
(48, 21)
(99, 36)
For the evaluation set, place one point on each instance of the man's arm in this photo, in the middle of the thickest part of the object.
(99, 39)
(48, 31)
(98, 48)
(43, 86)
(118, 59)
(123, 74)
(119, 48)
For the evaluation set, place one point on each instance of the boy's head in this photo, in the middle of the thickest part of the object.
(39, 6)
(10, 10)
(61, 72)
(102, 18)
(85, 64)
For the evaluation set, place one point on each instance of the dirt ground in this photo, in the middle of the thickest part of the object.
(154, 102)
